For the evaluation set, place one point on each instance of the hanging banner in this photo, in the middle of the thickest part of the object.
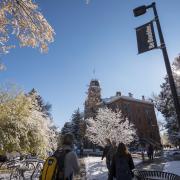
(146, 39)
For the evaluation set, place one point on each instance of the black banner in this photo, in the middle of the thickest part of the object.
(146, 39)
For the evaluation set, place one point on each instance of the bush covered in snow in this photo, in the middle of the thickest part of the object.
(24, 125)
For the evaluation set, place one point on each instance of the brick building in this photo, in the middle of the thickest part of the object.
(140, 112)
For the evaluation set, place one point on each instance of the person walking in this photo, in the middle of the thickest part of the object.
(148, 152)
(112, 150)
(111, 153)
(71, 163)
(142, 154)
(81, 150)
(151, 152)
(122, 164)
(106, 153)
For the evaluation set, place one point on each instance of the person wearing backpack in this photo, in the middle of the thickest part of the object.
(122, 164)
(63, 164)
(71, 161)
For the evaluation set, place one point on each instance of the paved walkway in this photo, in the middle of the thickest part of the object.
(156, 164)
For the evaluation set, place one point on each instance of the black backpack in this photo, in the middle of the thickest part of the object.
(60, 155)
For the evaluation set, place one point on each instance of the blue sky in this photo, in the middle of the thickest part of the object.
(99, 35)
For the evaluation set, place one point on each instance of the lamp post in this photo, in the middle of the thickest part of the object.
(140, 11)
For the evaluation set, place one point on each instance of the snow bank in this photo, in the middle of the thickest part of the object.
(172, 167)
(96, 168)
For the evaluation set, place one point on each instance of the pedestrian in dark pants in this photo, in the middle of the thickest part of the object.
(150, 152)
(112, 152)
(142, 155)
(81, 150)
(122, 164)
(106, 153)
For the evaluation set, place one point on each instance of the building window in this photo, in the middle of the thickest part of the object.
(141, 135)
(151, 135)
(148, 113)
(126, 108)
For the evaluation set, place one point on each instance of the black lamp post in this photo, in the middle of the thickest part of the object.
(140, 11)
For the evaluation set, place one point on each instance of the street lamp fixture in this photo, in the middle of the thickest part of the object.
(139, 11)
(142, 9)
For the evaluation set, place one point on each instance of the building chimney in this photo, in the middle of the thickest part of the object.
(118, 93)
(143, 98)
(130, 95)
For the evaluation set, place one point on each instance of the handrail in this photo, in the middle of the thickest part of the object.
(147, 175)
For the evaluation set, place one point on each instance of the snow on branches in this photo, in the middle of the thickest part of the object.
(111, 125)
(76, 127)
(40, 124)
(23, 126)
(22, 19)
(165, 104)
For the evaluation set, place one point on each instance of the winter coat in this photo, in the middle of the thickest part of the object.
(150, 149)
(121, 167)
(112, 152)
(106, 152)
(71, 163)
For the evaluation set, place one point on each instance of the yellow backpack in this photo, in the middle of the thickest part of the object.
(53, 168)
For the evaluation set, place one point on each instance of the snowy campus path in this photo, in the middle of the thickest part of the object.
(96, 168)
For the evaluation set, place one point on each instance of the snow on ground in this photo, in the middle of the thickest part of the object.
(174, 152)
(96, 168)
(136, 161)
(172, 167)
(6, 176)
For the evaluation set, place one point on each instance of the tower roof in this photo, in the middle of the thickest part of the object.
(94, 82)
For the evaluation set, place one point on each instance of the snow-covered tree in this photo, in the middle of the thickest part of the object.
(176, 74)
(23, 127)
(77, 125)
(23, 19)
(111, 125)
(14, 110)
(45, 134)
(82, 129)
(67, 128)
(165, 104)
(42, 106)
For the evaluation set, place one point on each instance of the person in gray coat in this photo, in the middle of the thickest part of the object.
(71, 165)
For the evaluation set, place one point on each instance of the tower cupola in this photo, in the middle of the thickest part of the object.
(93, 98)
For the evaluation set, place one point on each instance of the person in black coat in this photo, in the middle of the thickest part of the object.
(122, 164)
(150, 152)
(106, 153)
